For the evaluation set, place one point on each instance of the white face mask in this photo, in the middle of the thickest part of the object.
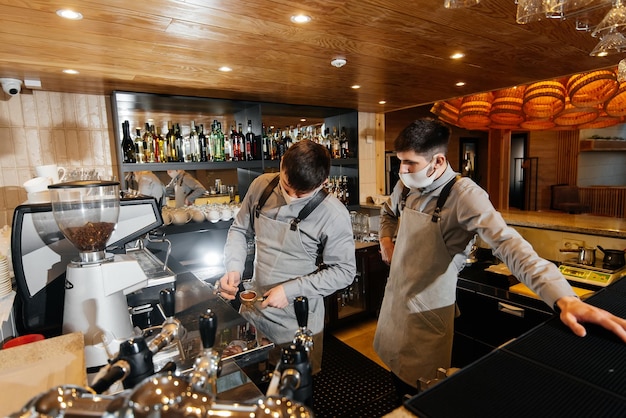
(291, 199)
(419, 179)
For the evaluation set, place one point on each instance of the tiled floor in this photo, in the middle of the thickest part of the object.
(360, 337)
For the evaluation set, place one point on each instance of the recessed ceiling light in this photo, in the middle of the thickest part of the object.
(300, 18)
(70, 71)
(382, 102)
(356, 86)
(69, 14)
(338, 62)
(303, 120)
(225, 69)
(460, 83)
(457, 55)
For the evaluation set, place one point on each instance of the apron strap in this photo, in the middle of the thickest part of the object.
(403, 196)
(442, 198)
(266, 194)
(309, 207)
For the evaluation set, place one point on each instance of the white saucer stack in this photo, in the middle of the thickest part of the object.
(5, 276)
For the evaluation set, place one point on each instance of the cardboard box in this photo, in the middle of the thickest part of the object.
(30, 369)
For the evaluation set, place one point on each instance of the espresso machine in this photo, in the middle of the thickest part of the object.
(86, 212)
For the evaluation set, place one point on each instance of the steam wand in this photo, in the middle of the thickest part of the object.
(293, 377)
(172, 329)
(207, 366)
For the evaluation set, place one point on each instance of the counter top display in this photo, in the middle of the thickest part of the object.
(558, 221)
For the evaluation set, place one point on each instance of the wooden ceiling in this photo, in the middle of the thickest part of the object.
(396, 50)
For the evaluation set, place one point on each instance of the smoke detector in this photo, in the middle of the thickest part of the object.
(338, 62)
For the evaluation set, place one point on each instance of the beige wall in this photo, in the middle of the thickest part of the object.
(71, 130)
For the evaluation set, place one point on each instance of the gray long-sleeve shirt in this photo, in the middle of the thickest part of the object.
(192, 187)
(469, 211)
(328, 225)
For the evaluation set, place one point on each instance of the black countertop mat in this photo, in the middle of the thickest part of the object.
(547, 372)
(502, 384)
(351, 385)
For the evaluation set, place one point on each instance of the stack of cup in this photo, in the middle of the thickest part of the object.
(37, 189)
(5, 277)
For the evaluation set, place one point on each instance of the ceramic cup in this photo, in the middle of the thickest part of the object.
(180, 216)
(52, 171)
(214, 215)
(167, 217)
(37, 184)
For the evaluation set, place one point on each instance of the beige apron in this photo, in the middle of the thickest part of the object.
(281, 256)
(415, 327)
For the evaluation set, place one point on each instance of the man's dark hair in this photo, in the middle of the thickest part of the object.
(306, 164)
(424, 136)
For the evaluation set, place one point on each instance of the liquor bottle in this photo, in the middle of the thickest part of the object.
(170, 144)
(217, 138)
(148, 144)
(241, 143)
(346, 192)
(327, 141)
(235, 149)
(194, 152)
(344, 144)
(139, 149)
(265, 142)
(228, 146)
(128, 145)
(334, 144)
(179, 144)
(159, 146)
(249, 143)
(273, 147)
(205, 154)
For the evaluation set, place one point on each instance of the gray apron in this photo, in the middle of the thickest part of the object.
(415, 327)
(281, 256)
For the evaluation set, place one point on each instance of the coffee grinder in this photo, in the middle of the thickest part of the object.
(87, 212)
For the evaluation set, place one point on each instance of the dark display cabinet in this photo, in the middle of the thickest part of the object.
(363, 297)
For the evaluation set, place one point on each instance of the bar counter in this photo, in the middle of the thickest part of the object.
(559, 221)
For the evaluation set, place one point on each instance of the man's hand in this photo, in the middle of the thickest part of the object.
(228, 285)
(574, 312)
(386, 249)
(276, 298)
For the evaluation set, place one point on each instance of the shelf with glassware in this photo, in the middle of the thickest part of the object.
(189, 147)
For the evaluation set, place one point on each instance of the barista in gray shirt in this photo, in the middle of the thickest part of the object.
(287, 261)
(430, 249)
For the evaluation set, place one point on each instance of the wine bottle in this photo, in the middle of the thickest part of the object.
(217, 138)
(180, 153)
(249, 142)
(265, 141)
(204, 155)
(344, 144)
(139, 148)
(334, 144)
(128, 145)
(148, 148)
(241, 143)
